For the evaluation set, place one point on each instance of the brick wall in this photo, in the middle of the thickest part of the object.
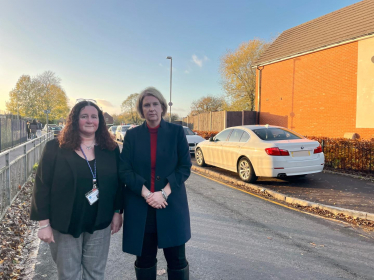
(314, 94)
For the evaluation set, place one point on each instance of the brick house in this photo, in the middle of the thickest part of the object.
(108, 119)
(318, 78)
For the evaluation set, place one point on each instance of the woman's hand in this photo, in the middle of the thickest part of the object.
(46, 234)
(116, 224)
(157, 201)
(146, 193)
(167, 189)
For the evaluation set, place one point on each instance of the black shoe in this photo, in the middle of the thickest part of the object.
(146, 273)
(179, 274)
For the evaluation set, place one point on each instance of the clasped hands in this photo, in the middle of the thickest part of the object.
(156, 199)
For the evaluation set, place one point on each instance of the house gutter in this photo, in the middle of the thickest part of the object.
(259, 68)
(312, 51)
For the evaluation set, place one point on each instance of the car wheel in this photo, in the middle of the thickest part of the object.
(246, 171)
(200, 158)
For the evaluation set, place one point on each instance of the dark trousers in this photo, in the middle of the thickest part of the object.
(175, 256)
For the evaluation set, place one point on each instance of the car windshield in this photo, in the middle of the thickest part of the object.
(188, 131)
(54, 128)
(275, 133)
(124, 128)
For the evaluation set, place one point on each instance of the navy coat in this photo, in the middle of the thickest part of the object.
(173, 165)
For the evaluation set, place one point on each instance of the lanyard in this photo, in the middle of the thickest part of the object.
(93, 174)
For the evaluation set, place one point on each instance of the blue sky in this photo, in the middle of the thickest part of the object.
(107, 50)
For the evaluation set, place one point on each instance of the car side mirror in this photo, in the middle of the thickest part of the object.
(195, 133)
(211, 139)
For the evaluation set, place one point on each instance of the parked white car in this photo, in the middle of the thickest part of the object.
(192, 138)
(121, 132)
(261, 150)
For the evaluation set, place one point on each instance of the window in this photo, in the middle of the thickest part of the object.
(235, 135)
(245, 137)
(222, 136)
(276, 133)
(188, 131)
(124, 128)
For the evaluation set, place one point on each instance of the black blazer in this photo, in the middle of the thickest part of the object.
(55, 184)
(173, 165)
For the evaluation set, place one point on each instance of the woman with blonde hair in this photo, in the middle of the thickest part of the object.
(155, 163)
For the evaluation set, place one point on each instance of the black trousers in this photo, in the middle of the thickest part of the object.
(175, 256)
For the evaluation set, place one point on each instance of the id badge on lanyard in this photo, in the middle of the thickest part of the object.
(93, 195)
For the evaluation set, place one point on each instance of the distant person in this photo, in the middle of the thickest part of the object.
(28, 131)
(156, 207)
(76, 193)
(33, 129)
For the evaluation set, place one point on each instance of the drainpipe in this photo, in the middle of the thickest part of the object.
(259, 68)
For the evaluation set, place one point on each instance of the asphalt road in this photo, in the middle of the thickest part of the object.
(239, 236)
(326, 188)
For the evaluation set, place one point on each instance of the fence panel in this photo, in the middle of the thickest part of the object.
(14, 174)
(218, 121)
(234, 118)
(3, 193)
(12, 132)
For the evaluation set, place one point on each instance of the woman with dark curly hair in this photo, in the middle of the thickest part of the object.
(73, 218)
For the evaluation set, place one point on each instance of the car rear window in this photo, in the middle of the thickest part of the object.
(275, 133)
(188, 131)
(245, 137)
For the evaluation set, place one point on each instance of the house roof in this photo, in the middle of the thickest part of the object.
(349, 23)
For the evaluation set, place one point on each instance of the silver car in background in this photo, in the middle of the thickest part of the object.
(192, 139)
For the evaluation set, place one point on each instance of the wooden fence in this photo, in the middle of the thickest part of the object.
(217, 121)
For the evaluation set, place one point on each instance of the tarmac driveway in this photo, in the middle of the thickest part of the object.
(326, 188)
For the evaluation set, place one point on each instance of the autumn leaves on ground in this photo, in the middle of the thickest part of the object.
(17, 235)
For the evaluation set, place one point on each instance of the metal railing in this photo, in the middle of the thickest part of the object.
(15, 173)
(12, 132)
